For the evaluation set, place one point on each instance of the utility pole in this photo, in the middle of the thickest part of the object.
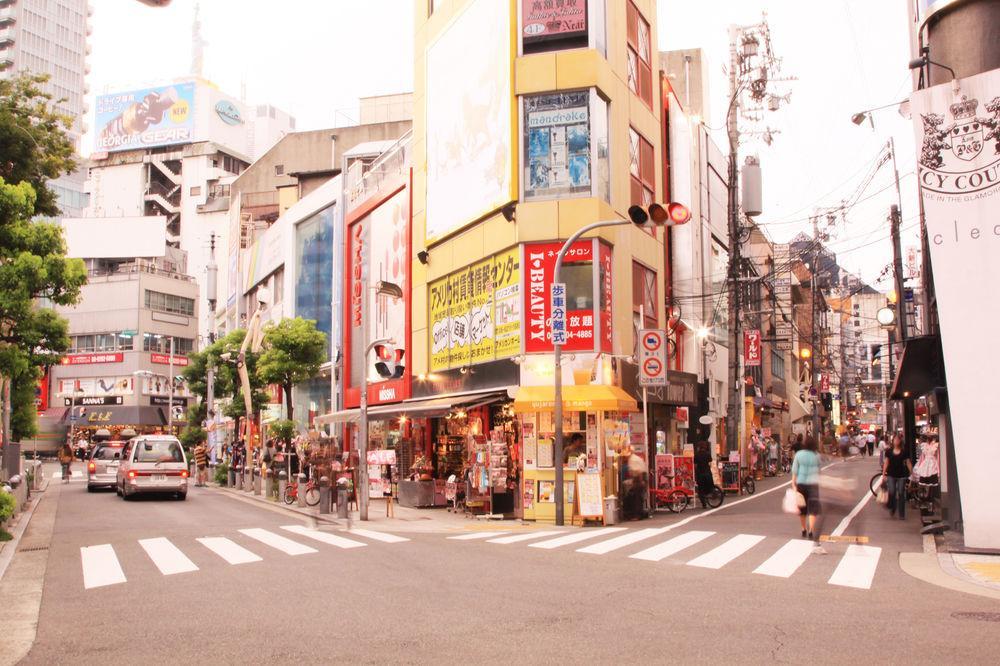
(734, 404)
(211, 278)
(814, 270)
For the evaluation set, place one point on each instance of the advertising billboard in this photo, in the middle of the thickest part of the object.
(475, 313)
(541, 21)
(145, 118)
(470, 159)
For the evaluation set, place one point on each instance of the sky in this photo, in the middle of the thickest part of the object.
(315, 58)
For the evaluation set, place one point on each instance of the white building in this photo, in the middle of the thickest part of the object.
(173, 150)
(50, 37)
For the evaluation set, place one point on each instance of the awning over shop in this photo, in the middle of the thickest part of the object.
(421, 408)
(586, 398)
(116, 415)
(921, 369)
(797, 410)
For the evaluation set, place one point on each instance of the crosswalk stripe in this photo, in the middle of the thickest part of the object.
(671, 546)
(857, 567)
(576, 537)
(608, 545)
(528, 536)
(722, 555)
(325, 537)
(277, 541)
(167, 557)
(787, 559)
(476, 535)
(229, 550)
(100, 566)
(385, 537)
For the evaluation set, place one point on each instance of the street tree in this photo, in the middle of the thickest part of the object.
(227, 383)
(33, 266)
(293, 352)
(34, 145)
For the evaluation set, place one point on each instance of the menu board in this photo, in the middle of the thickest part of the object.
(590, 496)
(545, 453)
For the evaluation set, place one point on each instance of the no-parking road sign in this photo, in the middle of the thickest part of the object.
(652, 357)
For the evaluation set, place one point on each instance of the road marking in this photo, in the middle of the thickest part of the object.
(787, 559)
(857, 567)
(671, 546)
(608, 545)
(167, 557)
(378, 536)
(325, 537)
(842, 527)
(229, 550)
(528, 536)
(277, 541)
(476, 535)
(722, 555)
(100, 566)
(582, 535)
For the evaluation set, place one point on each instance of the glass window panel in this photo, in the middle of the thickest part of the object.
(557, 145)
(579, 279)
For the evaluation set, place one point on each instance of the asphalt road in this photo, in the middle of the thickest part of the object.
(436, 598)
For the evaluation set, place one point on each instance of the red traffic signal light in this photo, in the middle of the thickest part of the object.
(670, 215)
(678, 213)
(390, 362)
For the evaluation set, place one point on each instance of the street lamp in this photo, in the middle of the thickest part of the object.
(381, 288)
(671, 215)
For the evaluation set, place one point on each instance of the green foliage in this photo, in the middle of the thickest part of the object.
(7, 506)
(222, 474)
(282, 429)
(227, 381)
(33, 265)
(191, 436)
(33, 139)
(293, 352)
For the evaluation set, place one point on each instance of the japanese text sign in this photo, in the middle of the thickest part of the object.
(752, 351)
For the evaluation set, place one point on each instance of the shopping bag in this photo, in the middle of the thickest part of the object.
(792, 501)
(883, 496)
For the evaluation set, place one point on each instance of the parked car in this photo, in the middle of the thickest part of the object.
(102, 468)
(153, 464)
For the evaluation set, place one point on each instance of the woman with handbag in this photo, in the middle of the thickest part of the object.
(805, 481)
(895, 471)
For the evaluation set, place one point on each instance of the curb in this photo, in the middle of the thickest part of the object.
(278, 506)
(10, 548)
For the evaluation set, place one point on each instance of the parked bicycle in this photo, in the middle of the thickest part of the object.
(676, 498)
(311, 491)
(922, 496)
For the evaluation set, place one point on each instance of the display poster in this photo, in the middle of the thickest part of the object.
(528, 494)
(664, 470)
(381, 457)
(569, 492)
(684, 472)
(581, 314)
(590, 495)
(557, 144)
(545, 426)
(545, 453)
(546, 492)
(543, 20)
(528, 442)
(593, 445)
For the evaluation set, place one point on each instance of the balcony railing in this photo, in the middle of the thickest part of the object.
(133, 271)
(365, 181)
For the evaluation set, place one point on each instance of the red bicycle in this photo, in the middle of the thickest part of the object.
(676, 498)
(292, 493)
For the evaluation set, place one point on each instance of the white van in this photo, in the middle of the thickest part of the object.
(153, 464)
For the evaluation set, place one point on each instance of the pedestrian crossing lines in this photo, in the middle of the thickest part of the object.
(703, 549)
(102, 566)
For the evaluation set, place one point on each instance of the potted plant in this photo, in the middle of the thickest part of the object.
(422, 468)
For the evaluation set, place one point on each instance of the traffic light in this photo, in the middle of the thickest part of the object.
(390, 361)
(670, 215)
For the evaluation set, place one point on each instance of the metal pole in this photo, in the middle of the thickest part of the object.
(557, 349)
(812, 333)
(170, 389)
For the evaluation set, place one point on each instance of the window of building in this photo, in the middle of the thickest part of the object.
(155, 342)
(716, 303)
(156, 300)
(279, 169)
(196, 191)
(565, 153)
(642, 170)
(777, 364)
(640, 71)
(643, 296)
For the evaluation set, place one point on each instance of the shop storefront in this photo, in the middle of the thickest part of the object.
(140, 419)
(596, 448)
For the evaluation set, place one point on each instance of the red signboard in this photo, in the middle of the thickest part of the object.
(752, 351)
(683, 417)
(92, 359)
(824, 383)
(552, 19)
(586, 318)
(164, 359)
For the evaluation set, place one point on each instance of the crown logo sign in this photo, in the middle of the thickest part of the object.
(964, 109)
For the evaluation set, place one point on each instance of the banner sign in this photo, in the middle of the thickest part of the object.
(552, 19)
(93, 400)
(164, 359)
(752, 351)
(958, 171)
(91, 359)
(144, 118)
(475, 313)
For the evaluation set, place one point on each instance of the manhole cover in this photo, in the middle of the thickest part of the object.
(977, 615)
(33, 549)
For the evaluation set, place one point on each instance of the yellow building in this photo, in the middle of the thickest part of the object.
(531, 120)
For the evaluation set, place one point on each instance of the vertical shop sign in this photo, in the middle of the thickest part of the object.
(557, 144)
(543, 20)
(581, 315)
(605, 278)
(752, 351)
(558, 313)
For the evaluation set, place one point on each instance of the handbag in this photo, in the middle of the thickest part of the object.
(792, 501)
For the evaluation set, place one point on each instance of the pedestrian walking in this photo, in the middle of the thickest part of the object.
(201, 464)
(882, 448)
(65, 457)
(703, 472)
(805, 481)
(895, 471)
(870, 441)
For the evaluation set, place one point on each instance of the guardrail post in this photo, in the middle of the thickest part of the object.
(324, 494)
(302, 490)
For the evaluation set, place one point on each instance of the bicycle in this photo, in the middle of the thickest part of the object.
(677, 498)
(292, 493)
(748, 484)
(922, 496)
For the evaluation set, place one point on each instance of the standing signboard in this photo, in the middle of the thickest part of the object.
(652, 357)
(590, 497)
